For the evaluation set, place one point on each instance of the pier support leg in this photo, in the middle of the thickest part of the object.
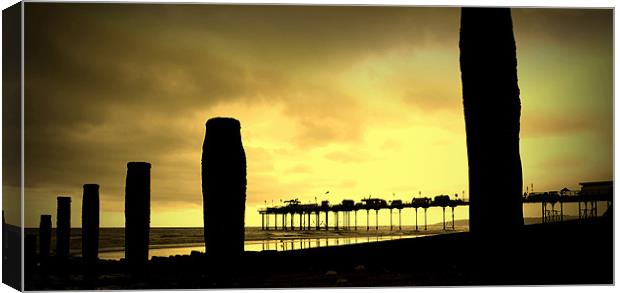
(309, 222)
(262, 221)
(326, 220)
(391, 220)
(596, 209)
(579, 207)
(367, 218)
(318, 218)
(376, 219)
(400, 218)
(424, 219)
(292, 224)
(336, 215)
(452, 218)
(416, 219)
(355, 214)
(561, 211)
(444, 217)
(284, 222)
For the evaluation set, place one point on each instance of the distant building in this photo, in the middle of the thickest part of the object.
(597, 188)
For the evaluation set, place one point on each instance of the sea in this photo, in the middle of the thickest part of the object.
(164, 242)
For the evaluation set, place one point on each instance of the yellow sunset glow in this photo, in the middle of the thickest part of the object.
(357, 101)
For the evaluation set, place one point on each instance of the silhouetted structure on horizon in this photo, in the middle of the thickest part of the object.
(137, 214)
(492, 119)
(63, 227)
(223, 187)
(90, 223)
(45, 236)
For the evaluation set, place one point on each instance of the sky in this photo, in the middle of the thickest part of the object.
(357, 101)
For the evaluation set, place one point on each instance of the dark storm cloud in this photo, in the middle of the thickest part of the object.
(111, 83)
(564, 26)
(105, 68)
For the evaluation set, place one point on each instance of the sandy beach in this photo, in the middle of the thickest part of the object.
(440, 260)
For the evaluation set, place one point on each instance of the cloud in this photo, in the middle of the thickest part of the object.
(110, 83)
(299, 169)
(541, 125)
(348, 157)
(580, 27)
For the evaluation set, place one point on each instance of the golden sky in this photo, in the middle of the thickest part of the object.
(357, 101)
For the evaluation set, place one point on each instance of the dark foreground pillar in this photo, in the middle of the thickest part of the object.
(30, 252)
(223, 187)
(90, 223)
(492, 119)
(63, 227)
(45, 236)
(137, 214)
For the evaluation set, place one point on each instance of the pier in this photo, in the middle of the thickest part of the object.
(294, 208)
(552, 208)
(587, 199)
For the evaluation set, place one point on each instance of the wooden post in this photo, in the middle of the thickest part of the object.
(492, 109)
(90, 223)
(63, 227)
(45, 236)
(223, 187)
(137, 214)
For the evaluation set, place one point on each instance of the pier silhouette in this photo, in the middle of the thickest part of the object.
(293, 208)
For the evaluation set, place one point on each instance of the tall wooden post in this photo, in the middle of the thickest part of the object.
(492, 119)
(63, 227)
(137, 214)
(223, 187)
(90, 223)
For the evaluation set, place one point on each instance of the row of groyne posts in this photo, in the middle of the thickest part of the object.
(587, 204)
(137, 218)
(294, 208)
(224, 193)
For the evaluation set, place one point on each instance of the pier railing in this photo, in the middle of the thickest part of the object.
(587, 203)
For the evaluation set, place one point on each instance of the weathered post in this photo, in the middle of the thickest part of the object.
(45, 236)
(63, 227)
(492, 119)
(137, 214)
(90, 223)
(223, 187)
